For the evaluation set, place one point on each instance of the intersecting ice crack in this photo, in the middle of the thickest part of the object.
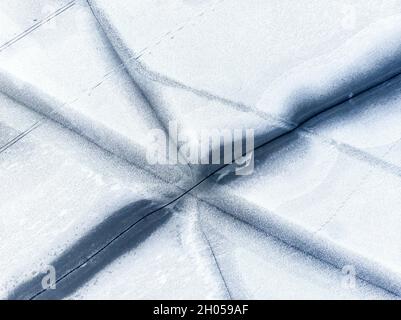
(37, 25)
(175, 200)
(292, 127)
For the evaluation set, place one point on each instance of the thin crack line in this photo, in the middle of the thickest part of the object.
(142, 52)
(105, 77)
(20, 136)
(127, 229)
(363, 180)
(196, 185)
(36, 26)
(306, 250)
(201, 181)
(212, 251)
(356, 153)
(264, 115)
(218, 266)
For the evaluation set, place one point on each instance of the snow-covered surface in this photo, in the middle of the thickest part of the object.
(256, 265)
(235, 49)
(55, 188)
(182, 267)
(79, 93)
(17, 16)
(337, 201)
(255, 64)
(14, 122)
(69, 73)
(374, 116)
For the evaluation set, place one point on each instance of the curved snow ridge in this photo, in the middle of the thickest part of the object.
(370, 57)
(335, 202)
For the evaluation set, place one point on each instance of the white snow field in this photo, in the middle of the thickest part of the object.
(265, 65)
(56, 187)
(328, 192)
(84, 83)
(18, 16)
(69, 73)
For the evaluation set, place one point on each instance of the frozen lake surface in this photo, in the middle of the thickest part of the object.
(84, 83)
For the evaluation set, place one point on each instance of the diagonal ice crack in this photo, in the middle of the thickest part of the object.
(170, 203)
(289, 129)
(37, 25)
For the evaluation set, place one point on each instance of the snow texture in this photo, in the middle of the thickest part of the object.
(82, 83)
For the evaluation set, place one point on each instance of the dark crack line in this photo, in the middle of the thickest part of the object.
(36, 26)
(291, 130)
(218, 266)
(127, 229)
(20, 136)
(208, 176)
(293, 246)
(230, 296)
